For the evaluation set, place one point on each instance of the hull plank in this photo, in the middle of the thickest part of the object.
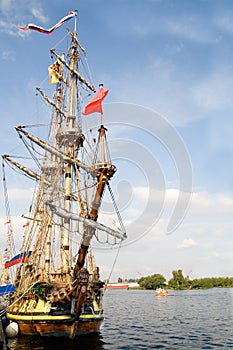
(47, 329)
(59, 326)
(89, 327)
(59, 330)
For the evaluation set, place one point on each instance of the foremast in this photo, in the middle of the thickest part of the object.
(103, 171)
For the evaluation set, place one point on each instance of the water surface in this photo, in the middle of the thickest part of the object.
(137, 319)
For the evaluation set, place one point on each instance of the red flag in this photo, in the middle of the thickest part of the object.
(26, 225)
(95, 105)
(8, 222)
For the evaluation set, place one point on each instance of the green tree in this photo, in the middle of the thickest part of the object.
(152, 282)
(178, 281)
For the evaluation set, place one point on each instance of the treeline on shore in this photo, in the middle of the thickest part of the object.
(178, 281)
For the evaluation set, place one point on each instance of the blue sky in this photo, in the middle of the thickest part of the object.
(173, 57)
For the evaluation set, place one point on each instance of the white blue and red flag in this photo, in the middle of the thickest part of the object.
(30, 26)
(22, 257)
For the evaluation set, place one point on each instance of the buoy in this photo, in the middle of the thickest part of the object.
(12, 330)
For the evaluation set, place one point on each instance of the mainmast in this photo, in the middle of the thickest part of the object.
(69, 149)
(70, 139)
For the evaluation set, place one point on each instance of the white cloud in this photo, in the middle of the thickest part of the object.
(8, 55)
(216, 254)
(214, 92)
(18, 230)
(8, 28)
(204, 202)
(146, 25)
(224, 22)
(142, 215)
(21, 15)
(5, 5)
(187, 243)
(160, 81)
(39, 15)
(189, 29)
(17, 193)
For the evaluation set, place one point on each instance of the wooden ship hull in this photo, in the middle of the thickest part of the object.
(59, 309)
(58, 326)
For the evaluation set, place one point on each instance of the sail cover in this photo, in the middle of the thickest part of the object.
(7, 289)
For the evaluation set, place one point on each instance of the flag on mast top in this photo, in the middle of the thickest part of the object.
(31, 26)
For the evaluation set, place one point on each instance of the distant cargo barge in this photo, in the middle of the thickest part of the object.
(116, 286)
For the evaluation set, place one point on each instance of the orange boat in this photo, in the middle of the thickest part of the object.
(160, 292)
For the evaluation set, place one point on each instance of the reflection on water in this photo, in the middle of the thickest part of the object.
(93, 342)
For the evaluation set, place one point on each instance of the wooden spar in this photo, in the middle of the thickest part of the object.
(51, 102)
(26, 170)
(33, 175)
(52, 149)
(91, 87)
(87, 222)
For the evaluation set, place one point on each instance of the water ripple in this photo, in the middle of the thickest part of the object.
(186, 320)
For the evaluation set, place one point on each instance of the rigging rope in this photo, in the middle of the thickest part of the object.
(116, 209)
(10, 246)
(30, 151)
(114, 263)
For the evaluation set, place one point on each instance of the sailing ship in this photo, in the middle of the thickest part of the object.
(57, 285)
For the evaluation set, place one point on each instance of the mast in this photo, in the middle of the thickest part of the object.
(71, 126)
(103, 172)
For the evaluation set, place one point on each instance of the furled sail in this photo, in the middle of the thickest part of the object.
(94, 224)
